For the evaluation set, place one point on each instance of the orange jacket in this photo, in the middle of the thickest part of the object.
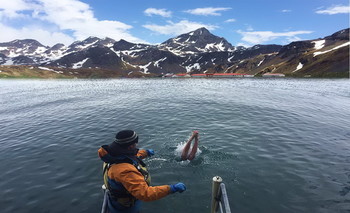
(133, 180)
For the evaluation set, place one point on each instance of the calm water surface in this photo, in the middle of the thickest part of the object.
(280, 145)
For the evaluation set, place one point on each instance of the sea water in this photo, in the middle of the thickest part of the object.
(280, 145)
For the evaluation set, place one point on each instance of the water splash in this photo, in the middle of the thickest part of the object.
(157, 159)
(180, 146)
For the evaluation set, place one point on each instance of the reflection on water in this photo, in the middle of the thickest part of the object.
(281, 145)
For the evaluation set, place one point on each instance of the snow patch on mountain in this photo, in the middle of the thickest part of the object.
(335, 48)
(86, 45)
(261, 62)
(45, 68)
(109, 45)
(156, 63)
(319, 44)
(8, 62)
(79, 64)
(52, 70)
(230, 58)
(214, 46)
(145, 68)
(39, 50)
(13, 54)
(116, 52)
(132, 53)
(127, 63)
(175, 51)
(300, 65)
(56, 55)
(195, 66)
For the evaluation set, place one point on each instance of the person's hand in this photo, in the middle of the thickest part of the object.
(150, 152)
(179, 187)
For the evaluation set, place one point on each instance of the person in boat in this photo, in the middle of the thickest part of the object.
(186, 153)
(126, 178)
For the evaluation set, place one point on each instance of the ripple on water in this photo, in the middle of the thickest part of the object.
(280, 145)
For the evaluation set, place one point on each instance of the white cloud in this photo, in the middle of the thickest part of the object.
(62, 16)
(208, 11)
(286, 11)
(243, 44)
(181, 27)
(230, 20)
(14, 8)
(78, 17)
(260, 37)
(160, 12)
(31, 32)
(338, 9)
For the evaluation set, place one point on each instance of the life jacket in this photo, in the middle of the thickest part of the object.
(116, 189)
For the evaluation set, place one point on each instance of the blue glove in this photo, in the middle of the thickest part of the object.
(179, 187)
(150, 152)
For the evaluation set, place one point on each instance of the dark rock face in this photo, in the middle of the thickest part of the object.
(103, 57)
(293, 48)
(56, 47)
(124, 45)
(23, 60)
(2, 58)
(264, 49)
(340, 35)
(93, 57)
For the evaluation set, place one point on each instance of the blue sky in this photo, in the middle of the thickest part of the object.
(241, 22)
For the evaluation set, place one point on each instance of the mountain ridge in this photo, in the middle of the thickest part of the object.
(198, 51)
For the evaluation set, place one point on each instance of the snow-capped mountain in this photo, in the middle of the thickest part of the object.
(324, 57)
(27, 47)
(198, 51)
(94, 57)
(31, 52)
(198, 41)
(89, 43)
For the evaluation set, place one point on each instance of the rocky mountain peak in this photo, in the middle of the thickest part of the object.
(22, 47)
(199, 35)
(109, 40)
(57, 46)
(22, 43)
(89, 43)
(201, 31)
(122, 45)
(91, 39)
(340, 35)
(197, 41)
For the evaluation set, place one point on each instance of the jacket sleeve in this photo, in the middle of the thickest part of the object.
(142, 154)
(134, 182)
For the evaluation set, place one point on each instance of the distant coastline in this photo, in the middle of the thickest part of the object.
(38, 72)
(197, 54)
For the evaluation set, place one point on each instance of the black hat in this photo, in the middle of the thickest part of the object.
(126, 137)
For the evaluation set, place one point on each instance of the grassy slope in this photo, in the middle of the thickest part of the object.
(35, 72)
